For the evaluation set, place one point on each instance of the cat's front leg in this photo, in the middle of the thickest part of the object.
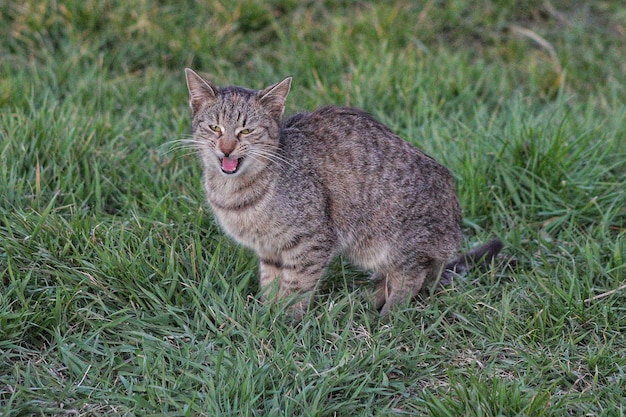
(270, 272)
(298, 286)
(380, 292)
(292, 276)
(279, 281)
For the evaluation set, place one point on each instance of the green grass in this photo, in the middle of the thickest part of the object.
(120, 296)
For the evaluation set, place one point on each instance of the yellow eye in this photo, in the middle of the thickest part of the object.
(215, 128)
(245, 131)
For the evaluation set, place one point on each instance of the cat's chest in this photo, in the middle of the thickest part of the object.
(256, 229)
(250, 216)
(248, 226)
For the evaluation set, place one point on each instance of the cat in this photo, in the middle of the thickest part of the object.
(335, 181)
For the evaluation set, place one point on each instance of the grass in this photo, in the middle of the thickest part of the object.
(120, 296)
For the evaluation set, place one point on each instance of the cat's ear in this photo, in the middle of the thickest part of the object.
(275, 96)
(200, 90)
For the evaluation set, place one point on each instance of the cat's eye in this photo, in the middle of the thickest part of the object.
(215, 128)
(245, 131)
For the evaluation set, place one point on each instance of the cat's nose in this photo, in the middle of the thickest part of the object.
(226, 147)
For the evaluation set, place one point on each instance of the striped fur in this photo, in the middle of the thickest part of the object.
(335, 181)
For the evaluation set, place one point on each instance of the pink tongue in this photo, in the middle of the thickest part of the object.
(229, 164)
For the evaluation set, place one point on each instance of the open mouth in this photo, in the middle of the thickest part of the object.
(230, 165)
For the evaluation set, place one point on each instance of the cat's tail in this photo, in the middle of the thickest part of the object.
(481, 256)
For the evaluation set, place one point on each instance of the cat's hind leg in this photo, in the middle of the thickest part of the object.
(401, 286)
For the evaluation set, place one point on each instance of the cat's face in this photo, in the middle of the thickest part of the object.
(235, 129)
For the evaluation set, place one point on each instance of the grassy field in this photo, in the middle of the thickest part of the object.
(120, 296)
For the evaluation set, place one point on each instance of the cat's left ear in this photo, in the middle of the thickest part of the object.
(275, 96)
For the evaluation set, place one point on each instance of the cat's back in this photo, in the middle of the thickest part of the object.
(335, 124)
(372, 178)
(349, 143)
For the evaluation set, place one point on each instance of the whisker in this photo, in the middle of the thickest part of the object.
(259, 158)
(271, 153)
(188, 143)
(271, 157)
(268, 156)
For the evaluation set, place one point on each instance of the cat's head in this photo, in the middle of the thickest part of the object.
(236, 129)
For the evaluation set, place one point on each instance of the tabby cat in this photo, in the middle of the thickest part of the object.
(335, 181)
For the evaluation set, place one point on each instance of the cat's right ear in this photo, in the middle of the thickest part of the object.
(200, 90)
